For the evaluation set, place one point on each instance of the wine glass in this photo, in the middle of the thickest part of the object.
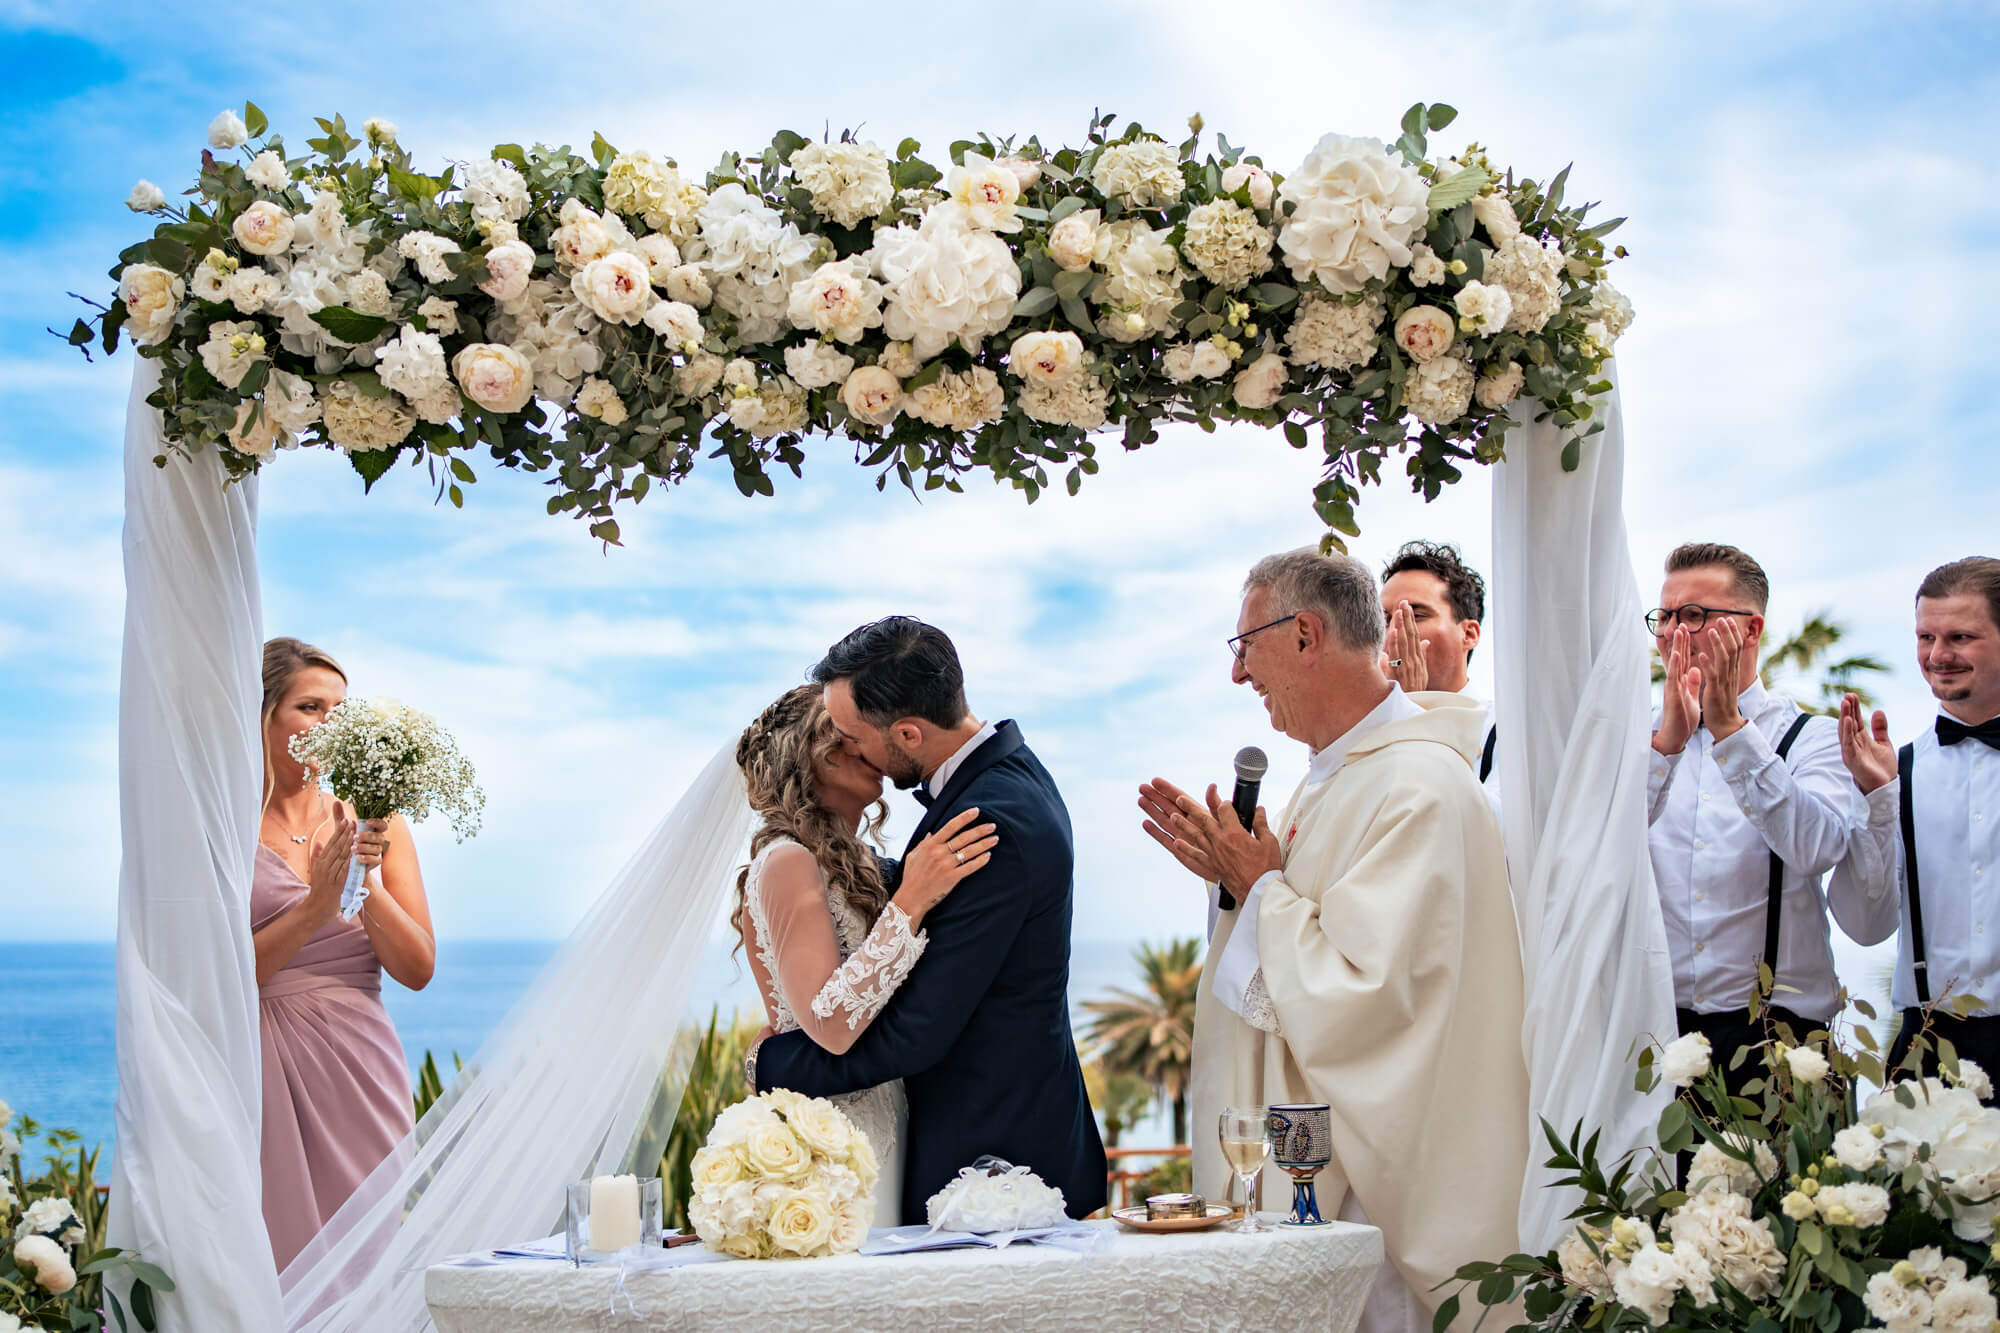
(1246, 1143)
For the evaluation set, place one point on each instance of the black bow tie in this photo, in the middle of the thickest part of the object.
(1950, 731)
(922, 791)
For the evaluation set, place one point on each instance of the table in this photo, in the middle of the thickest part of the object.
(1309, 1279)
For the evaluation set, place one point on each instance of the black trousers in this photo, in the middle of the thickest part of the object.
(1731, 1030)
(1975, 1039)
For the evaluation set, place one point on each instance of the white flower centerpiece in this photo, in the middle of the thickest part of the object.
(991, 309)
(384, 758)
(783, 1176)
(1804, 1207)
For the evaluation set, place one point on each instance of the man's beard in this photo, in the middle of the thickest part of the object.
(903, 770)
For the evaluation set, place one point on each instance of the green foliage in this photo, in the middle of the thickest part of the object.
(430, 1085)
(1119, 1097)
(1149, 1033)
(715, 1082)
(1173, 1176)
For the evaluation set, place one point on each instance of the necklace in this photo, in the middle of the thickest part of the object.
(301, 838)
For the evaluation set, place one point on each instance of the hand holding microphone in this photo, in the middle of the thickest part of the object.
(1251, 765)
(1232, 852)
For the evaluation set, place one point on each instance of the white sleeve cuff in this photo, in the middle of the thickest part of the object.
(1238, 965)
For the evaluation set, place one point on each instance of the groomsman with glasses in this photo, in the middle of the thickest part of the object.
(1930, 850)
(1749, 805)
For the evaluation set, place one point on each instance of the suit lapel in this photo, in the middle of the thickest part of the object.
(1006, 739)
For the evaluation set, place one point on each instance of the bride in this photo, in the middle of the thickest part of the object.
(828, 942)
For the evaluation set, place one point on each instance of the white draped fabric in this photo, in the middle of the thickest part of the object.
(185, 1186)
(1573, 714)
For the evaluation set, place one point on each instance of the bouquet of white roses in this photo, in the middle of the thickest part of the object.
(383, 758)
(783, 1176)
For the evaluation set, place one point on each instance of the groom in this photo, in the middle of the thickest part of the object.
(979, 1032)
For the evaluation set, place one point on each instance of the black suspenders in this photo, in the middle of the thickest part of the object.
(1905, 764)
(1771, 909)
(1486, 755)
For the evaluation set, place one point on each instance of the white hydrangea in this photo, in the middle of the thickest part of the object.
(267, 171)
(1227, 243)
(639, 184)
(553, 330)
(1077, 401)
(1714, 1169)
(496, 191)
(54, 1217)
(413, 364)
(1143, 282)
(1608, 315)
(1439, 392)
(849, 182)
(838, 300)
(1146, 173)
(232, 347)
(1529, 271)
(227, 131)
(358, 421)
(427, 250)
(947, 281)
(1330, 332)
(598, 398)
(816, 365)
(754, 258)
(776, 406)
(699, 376)
(1356, 213)
(959, 400)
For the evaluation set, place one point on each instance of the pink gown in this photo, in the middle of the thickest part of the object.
(336, 1084)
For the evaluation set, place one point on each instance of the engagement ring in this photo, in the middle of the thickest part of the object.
(958, 856)
(1395, 661)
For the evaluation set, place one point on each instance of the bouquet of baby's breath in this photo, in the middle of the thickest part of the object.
(381, 758)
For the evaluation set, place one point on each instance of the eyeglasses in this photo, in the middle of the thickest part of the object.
(1690, 618)
(1238, 644)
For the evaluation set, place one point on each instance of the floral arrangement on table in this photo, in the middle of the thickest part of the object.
(607, 320)
(783, 1176)
(1801, 1211)
(992, 1196)
(382, 757)
(54, 1261)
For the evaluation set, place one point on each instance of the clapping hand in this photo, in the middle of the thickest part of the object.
(1718, 659)
(1403, 653)
(1211, 842)
(1680, 711)
(1865, 746)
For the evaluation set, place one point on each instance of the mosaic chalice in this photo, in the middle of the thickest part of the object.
(1302, 1145)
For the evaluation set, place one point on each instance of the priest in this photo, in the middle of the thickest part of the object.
(1363, 950)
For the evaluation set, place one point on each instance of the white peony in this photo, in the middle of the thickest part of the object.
(1239, 175)
(1439, 392)
(1079, 401)
(1330, 332)
(677, 322)
(53, 1217)
(1528, 271)
(617, 288)
(267, 171)
(959, 400)
(495, 376)
(264, 229)
(1425, 333)
(689, 285)
(146, 197)
(817, 365)
(1495, 391)
(598, 398)
(1356, 213)
(1026, 171)
(1260, 384)
(251, 289)
(1901, 1309)
(427, 250)
(1227, 243)
(1495, 212)
(849, 182)
(838, 300)
(495, 190)
(1046, 357)
(413, 364)
(986, 191)
(227, 131)
(1964, 1306)
(872, 396)
(754, 259)
(358, 421)
(1143, 280)
(1965, 1147)
(900, 359)
(1146, 173)
(232, 347)
(42, 1257)
(1073, 241)
(1807, 1065)
(1484, 306)
(509, 267)
(1685, 1059)
(947, 282)
(1648, 1283)
(580, 236)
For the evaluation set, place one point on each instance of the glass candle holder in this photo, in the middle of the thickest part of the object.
(607, 1214)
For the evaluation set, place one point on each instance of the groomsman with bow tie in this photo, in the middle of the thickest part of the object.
(1434, 604)
(1930, 850)
(1749, 806)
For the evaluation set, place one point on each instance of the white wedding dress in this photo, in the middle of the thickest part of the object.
(823, 968)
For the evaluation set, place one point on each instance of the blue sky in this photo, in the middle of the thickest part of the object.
(1814, 218)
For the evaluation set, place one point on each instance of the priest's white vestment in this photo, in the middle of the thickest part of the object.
(1389, 953)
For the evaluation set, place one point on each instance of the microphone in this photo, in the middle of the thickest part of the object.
(1250, 765)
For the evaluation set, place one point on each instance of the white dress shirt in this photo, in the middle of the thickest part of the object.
(1956, 809)
(1237, 968)
(1717, 810)
(936, 782)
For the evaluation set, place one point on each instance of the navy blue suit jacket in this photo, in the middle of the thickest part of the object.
(979, 1031)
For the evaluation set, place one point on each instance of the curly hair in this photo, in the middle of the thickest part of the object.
(779, 754)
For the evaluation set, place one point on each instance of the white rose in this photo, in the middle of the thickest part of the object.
(427, 250)
(145, 197)
(617, 288)
(1495, 212)
(53, 1217)
(817, 365)
(872, 396)
(901, 360)
(714, 1167)
(597, 398)
(1807, 1065)
(1685, 1059)
(439, 315)
(661, 254)
(850, 1227)
(1261, 383)
(1146, 173)
(509, 267)
(1857, 1148)
(1073, 241)
(1964, 1306)
(822, 1127)
(699, 376)
(1424, 332)
(227, 131)
(1239, 174)
(689, 285)
(267, 171)
(495, 376)
(368, 292)
(264, 228)
(251, 289)
(1496, 391)
(1647, 1283)
(1974, 1080)
(802, 1223)
(1426, 269)
(1046, 357)
(677, 322)
(1853, 1205)
(1583, 1267)
(1798, 1206)
(378, 131)
(838, 300)
(987, 191)
(1356, 212)
(581, 238)
(1897, 1306)
(1485, 306)
(45, 1259)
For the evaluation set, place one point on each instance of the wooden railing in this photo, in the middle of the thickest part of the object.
(1120, 1179)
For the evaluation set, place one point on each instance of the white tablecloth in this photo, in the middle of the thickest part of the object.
(1309, 1279)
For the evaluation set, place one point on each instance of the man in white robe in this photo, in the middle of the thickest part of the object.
(1370, 959)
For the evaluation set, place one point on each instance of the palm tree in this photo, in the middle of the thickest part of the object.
(1805, 649)
(1150, 1033)
(1120, 1098)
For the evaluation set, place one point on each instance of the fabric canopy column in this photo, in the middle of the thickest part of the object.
(1573, 714)
(186, 1189)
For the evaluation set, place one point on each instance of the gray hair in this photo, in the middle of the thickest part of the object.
(1337, 589)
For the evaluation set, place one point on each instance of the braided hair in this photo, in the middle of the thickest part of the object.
(779, 754)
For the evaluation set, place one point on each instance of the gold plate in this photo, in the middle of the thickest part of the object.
(1136, 1219)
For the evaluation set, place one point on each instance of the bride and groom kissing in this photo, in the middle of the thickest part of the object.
(928, 998)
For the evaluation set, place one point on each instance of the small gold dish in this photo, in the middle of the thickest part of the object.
(1135, 1218)
(1166, 1207)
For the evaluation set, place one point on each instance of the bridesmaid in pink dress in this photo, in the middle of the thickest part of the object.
(336, 1083)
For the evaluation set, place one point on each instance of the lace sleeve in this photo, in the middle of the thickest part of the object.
(861, 986)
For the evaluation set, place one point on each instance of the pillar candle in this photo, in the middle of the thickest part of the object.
(614, 1212)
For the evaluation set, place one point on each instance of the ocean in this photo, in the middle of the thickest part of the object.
(57, 1006)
